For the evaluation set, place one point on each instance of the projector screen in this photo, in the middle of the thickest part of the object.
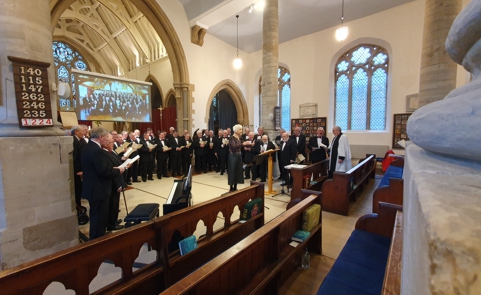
(107, 98)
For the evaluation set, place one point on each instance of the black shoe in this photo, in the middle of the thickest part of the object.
(136, 180)
(222, 173)
(117, 227)
(280, 178)
(144, 180)
(205, 171)
(166, 176)
(159, 177)
(151, 179)
(247, 177)
(263, 180)
(254, 179)
(129, 182)
(119, 221)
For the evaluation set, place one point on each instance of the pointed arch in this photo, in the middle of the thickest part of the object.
(152, 78)
(236, 94)
(161, 24)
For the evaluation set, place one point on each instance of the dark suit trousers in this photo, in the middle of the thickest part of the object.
(113, 210)
(176, 159)
(186, 162)
(147, 169)
(99, 213)
(78, 189)
(161, 167)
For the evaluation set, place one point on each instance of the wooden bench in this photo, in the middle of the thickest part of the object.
(259, 263)
(301, 177)
(345, 187)
(391, 187)
(76, 267)
(370, 260)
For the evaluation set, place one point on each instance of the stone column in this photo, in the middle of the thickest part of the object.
(37, 215)
(438, 71)
(270, 55)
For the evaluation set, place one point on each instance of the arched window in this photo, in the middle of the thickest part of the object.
(283, 96)
(65, 60)
(361, 88)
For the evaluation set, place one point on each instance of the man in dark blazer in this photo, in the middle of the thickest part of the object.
(163, 151)
(176, 144)
(146, 158)
(98, 173)
(279, 145)
(265, 145)
(187, 153)
(78, 144)
(318, 151)
(200, 156)
(249, 154)
(288, 155)
(222, 151)
(118, 185)
(300, 141)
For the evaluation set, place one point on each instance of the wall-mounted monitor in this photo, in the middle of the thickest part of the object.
(107, 98)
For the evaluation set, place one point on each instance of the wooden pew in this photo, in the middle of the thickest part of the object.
(317, 171)
(213, 242)
(392, 278)
(77, 267)
(393, 193)
(259, 263)
(346, 186)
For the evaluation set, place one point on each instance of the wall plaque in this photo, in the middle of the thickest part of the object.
(400, 130)
(308, 126)
(32, 92)
(308, 110)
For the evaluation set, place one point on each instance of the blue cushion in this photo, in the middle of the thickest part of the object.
(391, 172)
(360, 267)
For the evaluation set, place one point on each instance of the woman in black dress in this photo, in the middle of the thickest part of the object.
(234, 166)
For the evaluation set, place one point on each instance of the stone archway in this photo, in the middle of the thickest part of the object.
(236, 94)
(169, 99)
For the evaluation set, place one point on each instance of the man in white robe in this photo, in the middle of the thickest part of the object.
(340, 159)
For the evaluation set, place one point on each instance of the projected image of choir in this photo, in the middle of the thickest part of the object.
(98, 104)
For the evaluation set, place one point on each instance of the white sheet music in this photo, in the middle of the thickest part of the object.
(172, 192)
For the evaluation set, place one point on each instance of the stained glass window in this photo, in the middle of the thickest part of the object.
(283, 96)
(361, 88)
(66, 59)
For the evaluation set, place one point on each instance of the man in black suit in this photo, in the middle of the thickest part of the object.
(133, 172)
(210, 151)
(78, 144)
(279, 144)
(118, 185)
(200, 160)
(300, 141)
(223, 151)
(187, 153)
(318, 146)
(146, 158)
(265, 145)
(249, 154)
(288, 155)
(176, 153)
(98, 173)
(163, 151)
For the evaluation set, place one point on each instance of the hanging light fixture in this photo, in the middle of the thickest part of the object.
(341, 33)
(237, 61)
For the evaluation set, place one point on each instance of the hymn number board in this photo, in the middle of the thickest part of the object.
(32, 92)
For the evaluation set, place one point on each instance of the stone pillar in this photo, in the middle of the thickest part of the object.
(438, 71)
(270, 55)
(37, 215)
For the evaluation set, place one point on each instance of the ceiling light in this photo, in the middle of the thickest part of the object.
(237, 61)
(259, 6)
(342, 32)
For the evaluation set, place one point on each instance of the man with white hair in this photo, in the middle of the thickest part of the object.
(340, 159)
(200, 157)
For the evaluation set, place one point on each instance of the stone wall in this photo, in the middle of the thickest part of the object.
(37, 214)
(442, 233)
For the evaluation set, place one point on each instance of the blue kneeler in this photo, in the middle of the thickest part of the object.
(143, 212)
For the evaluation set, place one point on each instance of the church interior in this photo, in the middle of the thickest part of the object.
(263, 64)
